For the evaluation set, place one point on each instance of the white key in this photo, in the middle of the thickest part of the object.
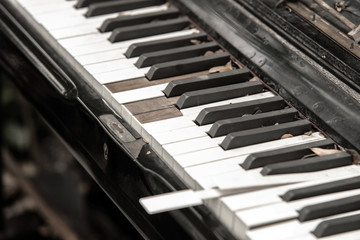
(121, 75)
(74, 31)
(51, 7)
(177, 200)
(72, 43)
(160, 139)
(192, 145)
(108, 66)
(235, 180)
(139, 94)
(170, 201)
(200, 176)
(74, 21)
(30, 3)
(165, 125)
(98, 47)
(101, 57)
(62, 18)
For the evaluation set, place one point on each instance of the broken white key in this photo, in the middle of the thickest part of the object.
(177, 200)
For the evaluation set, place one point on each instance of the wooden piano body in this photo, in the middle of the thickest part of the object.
(267, 40)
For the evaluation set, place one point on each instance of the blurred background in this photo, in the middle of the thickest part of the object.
(44, 192)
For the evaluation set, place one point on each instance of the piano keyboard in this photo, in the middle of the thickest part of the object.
(210, 120)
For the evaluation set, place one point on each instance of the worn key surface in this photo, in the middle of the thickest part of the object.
(144, 82)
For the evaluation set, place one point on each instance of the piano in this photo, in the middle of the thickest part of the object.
(245, 112)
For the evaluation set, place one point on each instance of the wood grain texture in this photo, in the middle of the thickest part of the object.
(158, 115)
(150, 105)
(143, 82)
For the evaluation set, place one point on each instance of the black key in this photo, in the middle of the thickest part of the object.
(148, 29)
(136, 49)
(264, 134)
(100, 8)
(85, 3)
(330, 208)
(337, 225)
(309, 164)
(149, 59)
(178, 87)
(216, 94)
(185, 66)
(223, 127)
(320, 189)
(213, 114)
(260, 159)
(125, 21)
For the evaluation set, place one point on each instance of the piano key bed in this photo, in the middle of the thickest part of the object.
(262, 168)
